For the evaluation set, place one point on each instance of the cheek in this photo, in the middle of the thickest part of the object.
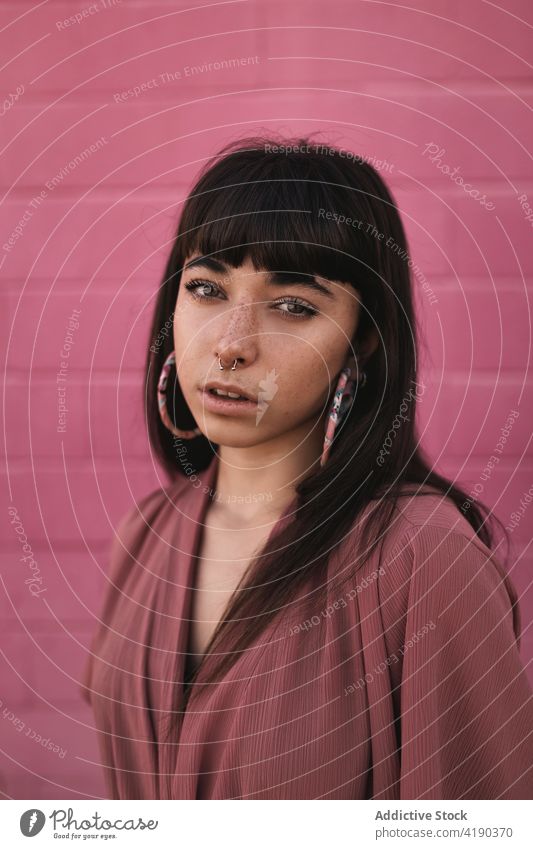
(303, 375)
(187, 356)
(188, 326)
(317, 372)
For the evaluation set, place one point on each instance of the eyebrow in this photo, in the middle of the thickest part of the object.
(274, 278)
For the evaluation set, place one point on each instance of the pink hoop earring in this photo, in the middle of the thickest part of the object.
(342, 401)
(162, 402)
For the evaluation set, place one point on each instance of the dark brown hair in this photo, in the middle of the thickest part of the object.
(251, 201)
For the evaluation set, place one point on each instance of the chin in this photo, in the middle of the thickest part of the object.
(232, 434)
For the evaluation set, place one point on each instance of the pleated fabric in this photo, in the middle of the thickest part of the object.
(407, 683)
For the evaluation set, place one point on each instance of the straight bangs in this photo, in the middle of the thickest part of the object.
(280, 216)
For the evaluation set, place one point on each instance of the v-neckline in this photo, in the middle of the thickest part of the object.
(191, 535)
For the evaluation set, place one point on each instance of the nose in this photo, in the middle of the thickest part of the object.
(238, 341)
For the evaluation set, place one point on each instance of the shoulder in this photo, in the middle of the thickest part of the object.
(434, 559)
(424, 506)
(146, 522)
(423, 517)
(138, 538)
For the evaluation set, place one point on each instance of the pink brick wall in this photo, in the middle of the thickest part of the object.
(380, 78)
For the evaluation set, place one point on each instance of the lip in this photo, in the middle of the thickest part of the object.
(228, 387)
(230, 406)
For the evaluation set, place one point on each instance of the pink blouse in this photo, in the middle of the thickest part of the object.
(408, 684)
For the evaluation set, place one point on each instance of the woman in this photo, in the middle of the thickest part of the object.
(307, 610)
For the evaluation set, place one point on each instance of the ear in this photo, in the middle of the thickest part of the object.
(368, 345)
(364, 350)
(350, 361)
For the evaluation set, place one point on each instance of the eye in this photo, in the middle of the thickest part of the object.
(308, 310)
(193, 285)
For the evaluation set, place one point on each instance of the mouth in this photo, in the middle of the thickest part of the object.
(231, 391)
(219, 401)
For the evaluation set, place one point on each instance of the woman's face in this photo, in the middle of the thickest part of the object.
(290, 340)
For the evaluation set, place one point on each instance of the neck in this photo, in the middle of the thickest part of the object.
(260, 480)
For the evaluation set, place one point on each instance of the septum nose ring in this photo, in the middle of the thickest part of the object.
(234, 366)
